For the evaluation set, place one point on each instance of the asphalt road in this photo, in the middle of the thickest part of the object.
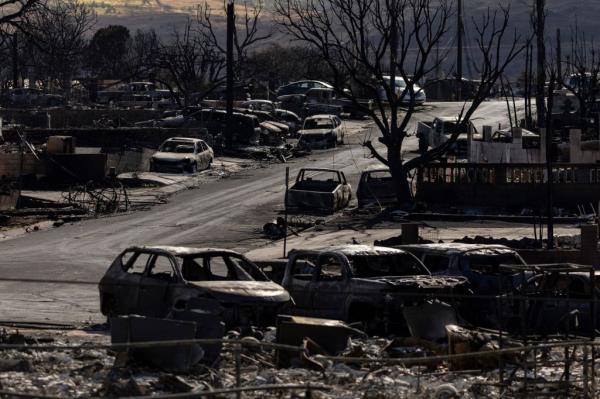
(227, 213)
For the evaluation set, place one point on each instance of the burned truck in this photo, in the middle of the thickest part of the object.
(481, 265)
(167, 282)
(440, 130)
(557, 299)
(377, 286)
(319, 190)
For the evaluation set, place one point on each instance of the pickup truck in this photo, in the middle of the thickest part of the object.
(320, 190)
(377, 286)
(433, 134)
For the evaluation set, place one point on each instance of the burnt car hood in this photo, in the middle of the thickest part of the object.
(244, 291)
(419, 282)
(172, 156)
(315, 132)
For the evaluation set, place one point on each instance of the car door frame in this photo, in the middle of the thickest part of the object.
(329, 298)
(150, 287)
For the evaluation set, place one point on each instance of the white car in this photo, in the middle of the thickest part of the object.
(322, 131)
(418, 95)
(182, 154)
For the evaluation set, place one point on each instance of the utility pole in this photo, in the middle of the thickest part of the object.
(459, 51)
(15, 59)
(549, 193)
(558, 56)
(540, 7)
(229, 93)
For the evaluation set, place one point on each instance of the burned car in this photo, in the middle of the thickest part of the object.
(182, 154)
(558, 299)
(481, 265)
(158, 281)
(319, 190)
(322, 131)
(24, 97)
(359, 283)
(376, 187)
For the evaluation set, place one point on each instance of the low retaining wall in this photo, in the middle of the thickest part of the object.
(150, 137)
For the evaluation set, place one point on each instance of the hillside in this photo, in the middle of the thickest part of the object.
(166, 15)
(163, 14)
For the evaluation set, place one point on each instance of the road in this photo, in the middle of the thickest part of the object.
(227, 213)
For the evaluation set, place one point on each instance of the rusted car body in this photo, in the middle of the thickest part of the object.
(359, 283)
(558, 299)
(162, 281)
(376, 187)
(322, 131)
(319, 190)
(480, 264)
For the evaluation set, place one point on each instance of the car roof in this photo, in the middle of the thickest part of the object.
(376, 170)
(308, 80)
(189, 139)
(258, 101)
(181, 251)
(321, 116)
(457, 248)
(356, 250)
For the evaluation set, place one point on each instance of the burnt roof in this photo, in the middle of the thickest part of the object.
(355, 250)
(181, 251)
(457, 248)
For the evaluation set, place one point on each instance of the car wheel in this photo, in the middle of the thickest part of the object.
(193, 168)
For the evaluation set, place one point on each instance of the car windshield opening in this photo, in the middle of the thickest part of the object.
(386, 265)
(177, 146)
(490, 264)
(217, 267)
(318, 124)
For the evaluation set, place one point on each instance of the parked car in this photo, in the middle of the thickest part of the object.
(181, 154)
(327, 101)
(376, 187)
(246, 127)
(24, 97)
(359, 283)
(302, 87)
(134, 92)
(157, 281)
(322, 131)
(257, 107)
(319, 190)
(417, 95)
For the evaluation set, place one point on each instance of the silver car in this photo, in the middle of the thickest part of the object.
(182, 154)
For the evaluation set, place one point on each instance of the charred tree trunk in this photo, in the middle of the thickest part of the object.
(400, 176)
(541, 62)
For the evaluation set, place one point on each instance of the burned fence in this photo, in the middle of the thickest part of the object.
(511, 186)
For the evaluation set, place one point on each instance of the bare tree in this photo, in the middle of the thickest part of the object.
(582, 73)
(57, 33)
(188, 63)
(13, 10)
(369, 43)
(247, 31)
